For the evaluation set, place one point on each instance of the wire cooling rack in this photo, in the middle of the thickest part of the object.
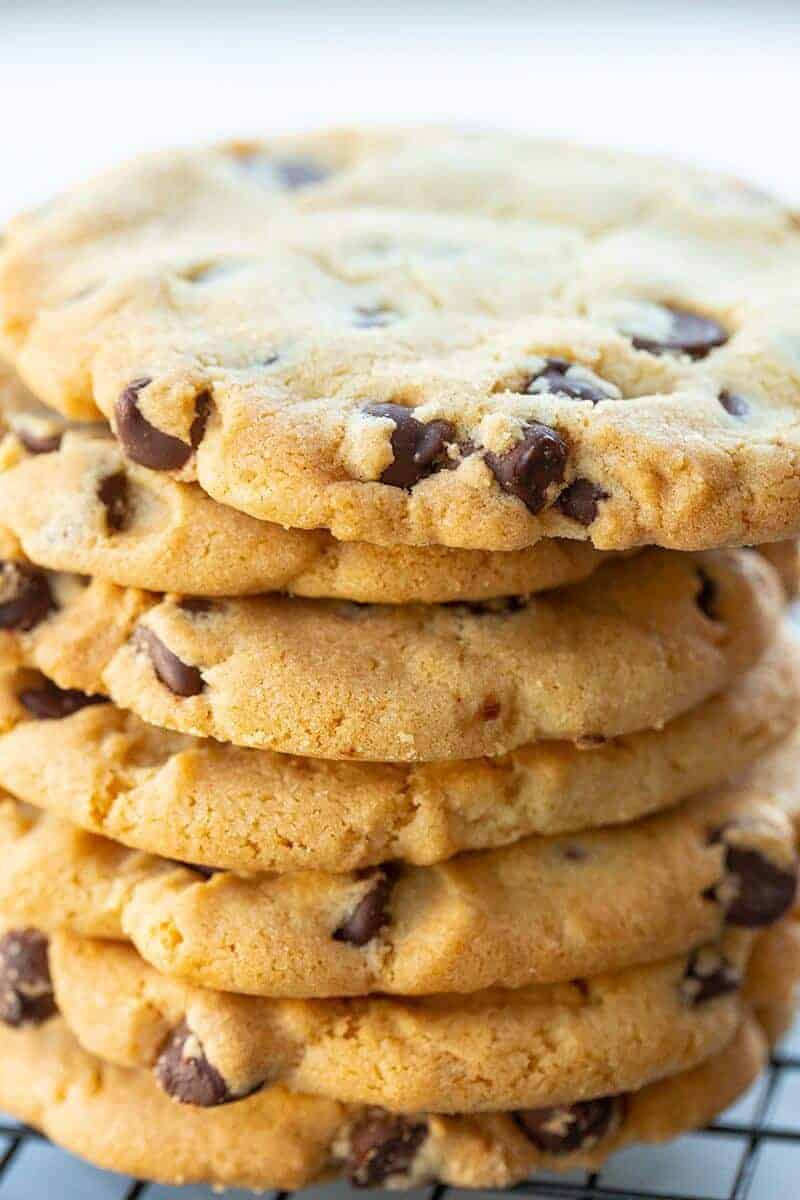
(751, 1153)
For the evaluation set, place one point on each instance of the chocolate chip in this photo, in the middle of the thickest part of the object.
(26, 990)
(300, 172)
(383, 1146)
(563, 378)
(202, 411)
(44, 444)
(707, 595)
(25, 597)
(417, 446)
(708, 975)
(567, 1128)
(50, 702)
(572, 852)
(755, 890)
(490, 709)
(185, 1073)
(529, 469)
(579, 501)
(370, 914)
(688, 333)
(736, 405)
(148, 446)
(206, 872)
(112, 492)
(178, 676)
(374, 316)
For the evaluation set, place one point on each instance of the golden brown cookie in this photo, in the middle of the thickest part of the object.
(641, 642)
(120, 1119)
(426, 373)
(217, 805)
(540, 911)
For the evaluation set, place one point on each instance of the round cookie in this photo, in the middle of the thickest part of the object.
(121, 1120)
(641, 642)
(83, 507)
(539, 911)
(427, 377)
(548, 1045)
(218, 805)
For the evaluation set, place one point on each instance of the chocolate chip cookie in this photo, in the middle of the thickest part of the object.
(442, 369)
(542, 910)
(640, 643)
(216, 805)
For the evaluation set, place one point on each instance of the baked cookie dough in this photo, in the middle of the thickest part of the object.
(223, 806)
(641, 642)
(121, 1119)
(467, 367)
(547, 1046)
(540, 911)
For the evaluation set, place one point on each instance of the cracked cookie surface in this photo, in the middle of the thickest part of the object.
(542, 910)
(448, 370)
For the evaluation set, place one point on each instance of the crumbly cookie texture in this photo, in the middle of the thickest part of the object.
(120, 1119)
(77, 504)
(641, 642)
(547, 1046)
(431, 372)
(217, 805)
(526, 913)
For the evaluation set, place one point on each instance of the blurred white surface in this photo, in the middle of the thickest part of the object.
(84, 83)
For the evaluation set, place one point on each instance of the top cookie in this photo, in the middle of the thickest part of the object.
(609, 354)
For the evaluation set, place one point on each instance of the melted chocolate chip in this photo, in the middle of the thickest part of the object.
(151, 447)
(736, 405)
(707, 595)
(202, 411)
(370, 914)
(178, 676)
(490, 709)
(25, 597)
(572, 852)
(529, 469)
(300, 172)
(49, 702)
(382, 1146)
(555, 379)
(579, 501)
(45, 444)
(755, 890)
(26, 990)
(419, 448)
(112, 492)
(185, 1073)
(688, 333)
(708, 975)
(567, 1128)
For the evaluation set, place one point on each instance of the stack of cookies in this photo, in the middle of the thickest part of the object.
(399, 751)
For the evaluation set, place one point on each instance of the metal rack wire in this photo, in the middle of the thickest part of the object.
(751, 1153)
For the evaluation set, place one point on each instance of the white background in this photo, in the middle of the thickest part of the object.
(83, 84)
